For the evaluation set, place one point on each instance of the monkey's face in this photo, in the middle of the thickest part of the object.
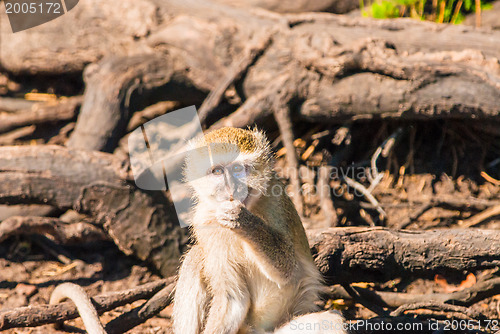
(219, 172)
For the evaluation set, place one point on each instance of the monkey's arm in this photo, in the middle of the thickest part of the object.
(273, 249)
(83, 303)
(190, 298)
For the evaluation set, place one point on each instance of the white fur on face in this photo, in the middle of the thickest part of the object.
(210, 188)
(236, 176)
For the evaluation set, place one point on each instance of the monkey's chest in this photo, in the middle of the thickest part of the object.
(231, 268)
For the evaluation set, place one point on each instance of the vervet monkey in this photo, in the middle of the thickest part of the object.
(250, 269)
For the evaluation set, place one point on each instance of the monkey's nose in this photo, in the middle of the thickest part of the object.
(231, 198)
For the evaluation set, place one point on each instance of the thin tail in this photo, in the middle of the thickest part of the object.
(83, 304)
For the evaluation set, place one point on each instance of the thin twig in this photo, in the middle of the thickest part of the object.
(139, 315)
(374, 176)
(325, 197)
(12, 136)
(282, 116)
(62, 110)
(465, 297)
(352, 291)
(414, 216)
(362, 189)
(468, 313)
(480, 217)
(490, 179)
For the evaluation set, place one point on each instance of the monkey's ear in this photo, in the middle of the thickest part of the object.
(263, 148)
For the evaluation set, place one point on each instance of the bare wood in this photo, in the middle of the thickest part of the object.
(12, 136)
(282, 117)
(457, 203)
(153, 111)
(12, 105)
(31, 316)
(140, 314)
(110, 86)
(62, 136)
(378, 254)
(480, 217)
(326, 201)
(46, 112)
(452, 202)
(114, 36)
(256, 108)
(419, 69)
(291, 6)
(94, 183)
(455, 309)
(53, 54)
(62, 232)
(251, 54)
(362, 189)
(464, 297)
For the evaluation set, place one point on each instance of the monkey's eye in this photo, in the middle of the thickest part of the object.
(217, 171)
(238, 168)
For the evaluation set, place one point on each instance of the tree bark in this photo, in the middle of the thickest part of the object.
(40, 113)
(140, 223)
(333, 68)
(378, 254)
(111, 92)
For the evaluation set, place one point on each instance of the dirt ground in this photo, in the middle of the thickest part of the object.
(28, 274)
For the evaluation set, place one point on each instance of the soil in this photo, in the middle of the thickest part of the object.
(28, 274)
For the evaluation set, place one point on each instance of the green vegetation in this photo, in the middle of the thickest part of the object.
(441, 11)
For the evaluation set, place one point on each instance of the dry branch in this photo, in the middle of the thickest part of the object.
(282, 117)
(464, 297)
(39, 113)
(62, 232)
(359, 187)
(291, 6)
(44, 314)
(326, 202)
(150, 308)
(458, 312)
(13, 105)
(150, 113)
(11, 136)
(480, 217)
(140, 223)
(378, 254)
(111, 86)
(450, 202)
(326, 63)
(251, 54)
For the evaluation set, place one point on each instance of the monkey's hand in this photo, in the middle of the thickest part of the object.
(227, 213)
